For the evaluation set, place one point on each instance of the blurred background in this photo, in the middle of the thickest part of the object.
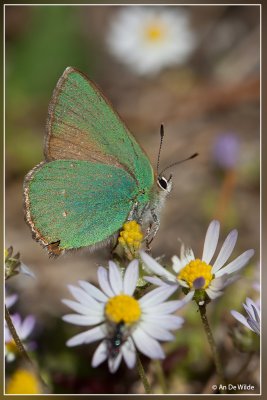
(197, 70)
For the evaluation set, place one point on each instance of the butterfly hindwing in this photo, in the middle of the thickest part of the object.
(76, 203)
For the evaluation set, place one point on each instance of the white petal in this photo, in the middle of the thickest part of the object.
(115, 278)
(100, 355)
(129, 353)
(176, 264)
(155, 331)
(83, 297)
(97, 333)
(186, 255)
(226, 250)
(213, 294)
(240, 318)
(164, 308)
(211, 241)
(155, 281)
(27, 326)
(81, 309)
(170, 322)
(78, 339)
(155, 267)
(10, 300)
(189, 296)
(114, 363)
(157, 296)
(102, 274)
(237, 264)
(130, 278)
(147, 345)
(83, 320)
(93, 291)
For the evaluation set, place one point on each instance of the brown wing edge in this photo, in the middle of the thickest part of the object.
(53, 248)
(53, 101)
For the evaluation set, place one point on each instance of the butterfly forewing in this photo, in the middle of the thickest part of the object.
(82, 125)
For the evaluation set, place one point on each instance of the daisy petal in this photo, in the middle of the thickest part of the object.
(78, 339)
(155, 281)
(237, 264)
(79, 308)
(155, 331)
(170, 322)
(157, 296)
(147, 345)
(82, 297)
(211, 240)
(240, 318)
(95, 334)
(115, 278)
(27, 326)
(130, 278)
(129, 353)
(226, 250)
(155, 267)
(83, 320)
(114, 363)
(93, 291)
(164, 308)
(100, 355)
(102, 274)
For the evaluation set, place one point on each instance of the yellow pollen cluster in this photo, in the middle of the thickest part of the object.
(23, 382)
(154, 32)
(131, 235)
(194, 270)
(123, 308)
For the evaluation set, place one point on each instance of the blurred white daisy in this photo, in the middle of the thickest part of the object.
(122, 322)
(24, 329)
(200, 278)
(252, 319)
(149, 39)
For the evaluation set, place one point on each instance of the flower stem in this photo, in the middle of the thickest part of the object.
(20, 346)
(15, 336)
(142, 375)
(216, 357)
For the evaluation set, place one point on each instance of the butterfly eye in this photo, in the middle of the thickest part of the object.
(163, 183)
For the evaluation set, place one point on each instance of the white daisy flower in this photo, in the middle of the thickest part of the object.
(149, 39)
(199, 277)
(122, 322)
(252, 319)
(24, 329)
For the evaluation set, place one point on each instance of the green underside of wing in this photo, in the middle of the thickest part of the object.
(78, 202)
(80, 110)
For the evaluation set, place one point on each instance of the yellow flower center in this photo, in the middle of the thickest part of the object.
(154, 32)
(123, 308)
(196, 274)
(11, 346)
(23, 382)
(131, 235)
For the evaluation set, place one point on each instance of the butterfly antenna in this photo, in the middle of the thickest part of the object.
(179, 162)
(160, 145)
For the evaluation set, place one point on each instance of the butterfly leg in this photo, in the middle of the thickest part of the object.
(153, 228)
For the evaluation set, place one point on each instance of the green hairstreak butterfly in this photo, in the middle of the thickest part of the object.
(95, 175)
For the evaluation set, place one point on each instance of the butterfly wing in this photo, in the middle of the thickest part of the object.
(74, 203)
(82, 125)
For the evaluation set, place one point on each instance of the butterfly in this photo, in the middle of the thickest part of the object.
(95, 176)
